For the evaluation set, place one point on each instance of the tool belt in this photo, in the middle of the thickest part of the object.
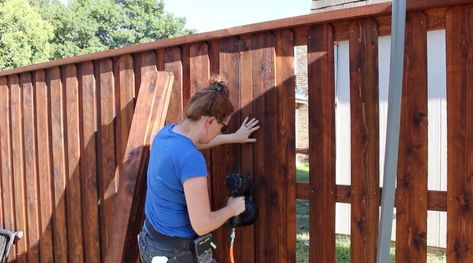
(179, 243)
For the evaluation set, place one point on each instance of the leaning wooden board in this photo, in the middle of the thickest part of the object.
(150, 115)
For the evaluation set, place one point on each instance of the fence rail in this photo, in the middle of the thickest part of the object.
(64, 128)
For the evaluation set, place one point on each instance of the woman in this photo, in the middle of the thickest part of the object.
(177, 203)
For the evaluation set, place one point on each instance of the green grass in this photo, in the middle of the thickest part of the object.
(302, 173)
(342, 242)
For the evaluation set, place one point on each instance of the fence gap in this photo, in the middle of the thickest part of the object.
(342, 147)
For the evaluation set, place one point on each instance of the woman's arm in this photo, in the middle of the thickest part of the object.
(242, 135)
(203, 220)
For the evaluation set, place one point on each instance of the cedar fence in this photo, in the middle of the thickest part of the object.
(64, 127)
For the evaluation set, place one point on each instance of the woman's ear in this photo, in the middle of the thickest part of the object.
(211, 119)
(208, 121)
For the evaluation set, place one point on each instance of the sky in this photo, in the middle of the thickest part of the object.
(209, 15)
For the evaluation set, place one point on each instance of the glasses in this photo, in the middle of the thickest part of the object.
(224, 127)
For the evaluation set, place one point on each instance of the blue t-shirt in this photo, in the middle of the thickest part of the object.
(173, 159)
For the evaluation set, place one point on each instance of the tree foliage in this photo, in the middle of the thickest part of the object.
(24, 36)
(33, 31)
(85, 26)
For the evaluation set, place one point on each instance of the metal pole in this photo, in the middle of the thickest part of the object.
(392, 138)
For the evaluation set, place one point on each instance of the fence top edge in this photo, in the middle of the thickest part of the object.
(284, 23)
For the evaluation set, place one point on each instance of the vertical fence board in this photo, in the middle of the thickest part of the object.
(198, 76)
(160, 59)
(258, 89)
(88, 164)
(459, 34)
(199, 66)
(126, 101)
(125, 93)
(30, 168)
(321, 143)
(285, 92)
(228, 61)
(172, 63)
(411, 205)
(151, 107)
(44, 167)
(58, 158)
(363, 38)
(6, 158)
(18, 162)
(106, 146)
(73, 192)
(136, 214)
(186, 82)
(269, 195)
(214, 55)
(148, 65)
(246, 238)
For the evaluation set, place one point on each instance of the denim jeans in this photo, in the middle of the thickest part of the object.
(161, 252)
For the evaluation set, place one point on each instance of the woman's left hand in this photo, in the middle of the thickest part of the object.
(242, 135)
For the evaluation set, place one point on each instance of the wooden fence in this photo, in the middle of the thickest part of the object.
(64, 127)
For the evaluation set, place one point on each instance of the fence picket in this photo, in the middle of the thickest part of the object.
(364, 139)
(286, 179)
(459, 35)
(321, 143)
(411, 195)
(125, 88)
(44, 167)
(226, 156)
(58, 158)
(173, 63)
(18, 164)
(106, 146)
(31, 179)
(199, 66)
(6, 158)
(268, 198)
(73, 186)
(247, 234)
(88, 164)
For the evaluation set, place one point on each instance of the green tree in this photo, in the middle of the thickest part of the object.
(75, 29)
(138, 21)
(86, 26)
(24, 35)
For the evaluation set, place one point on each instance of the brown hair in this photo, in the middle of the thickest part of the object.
(212, 101)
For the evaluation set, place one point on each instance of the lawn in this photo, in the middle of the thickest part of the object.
(342, 242)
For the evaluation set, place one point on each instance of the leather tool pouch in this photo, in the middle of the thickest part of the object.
(203, 249)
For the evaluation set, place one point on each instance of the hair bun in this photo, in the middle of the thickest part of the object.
(219, 83)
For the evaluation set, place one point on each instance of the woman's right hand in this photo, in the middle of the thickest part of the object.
(237, 204)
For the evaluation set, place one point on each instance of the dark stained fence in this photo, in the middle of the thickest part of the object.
(411, 208)
(363, 38)
(65, 125)
(459, 25)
